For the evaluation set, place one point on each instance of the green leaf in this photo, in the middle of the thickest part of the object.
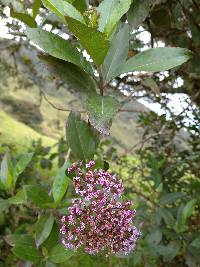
(59, 254)
(53, 238)
(80, 137)
(72, 75)
(171, 198)
(81, 5)
(50, 264)
(111, 12)
(117, 53)
(38, 196)
(27, 253)
(44, 226)
(25, 248)
(184, 212)
(70, 1)
(2, 222)
(180, 223)
(188, 209)
(170, 251)
(25, 18)
(154, 237)
(62, 8)
(4, 204)
(19, 198)
(196, 242)
(58, 47)
(6, 172)
(92, 40)
(60, 183)
(167, 217)
(19, 239)
(21, 165)
(36, 7)
(137, 13)
(105, 9)
(156, 59)
(2, 187)
(101, 110)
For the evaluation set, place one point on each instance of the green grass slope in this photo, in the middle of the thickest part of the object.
(18, 134)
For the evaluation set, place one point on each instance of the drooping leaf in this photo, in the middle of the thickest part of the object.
(59, 254)
(92, 40)
(111, 12)
(171, 197)
(24, 248)
(72, 75)
(60, 183)
(101, 110)
(117, 53)
(156, 59)
(44, 226)
(6, 172)
(22, 163)
(58, 47)
(138, 11)
(38, 196)
(62, 8)
(19, 198)
(80, 137)
(23, 17)
(36, 7)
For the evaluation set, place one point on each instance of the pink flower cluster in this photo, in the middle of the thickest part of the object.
(99, 220)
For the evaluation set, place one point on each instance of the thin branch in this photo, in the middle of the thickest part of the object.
(189, 16)
(132, 110)
(101, 82)
(68, 155)
(142, 142)
(55, 107)
(126, 99)
(196, 5)
(18, 34)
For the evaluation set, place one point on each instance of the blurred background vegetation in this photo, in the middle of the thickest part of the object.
(154, 144)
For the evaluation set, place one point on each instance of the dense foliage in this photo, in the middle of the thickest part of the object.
(161, 173)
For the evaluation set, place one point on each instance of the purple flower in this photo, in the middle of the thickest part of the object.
(100, 220)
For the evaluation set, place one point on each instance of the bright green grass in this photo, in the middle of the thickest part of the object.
(19, 134)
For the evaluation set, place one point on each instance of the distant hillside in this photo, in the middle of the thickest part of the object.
(22, 74)
(15, 132)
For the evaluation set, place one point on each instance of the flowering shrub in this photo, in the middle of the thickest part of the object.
(99, 220)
